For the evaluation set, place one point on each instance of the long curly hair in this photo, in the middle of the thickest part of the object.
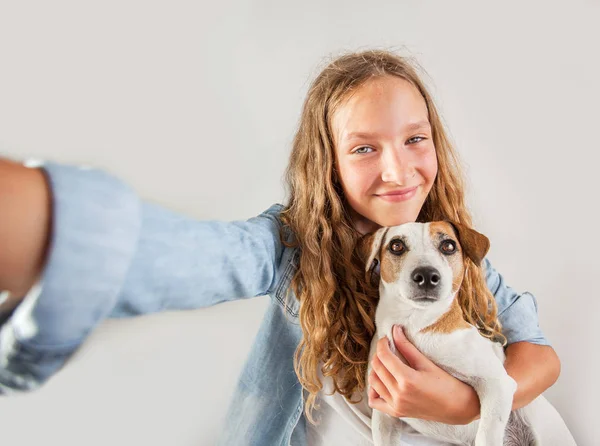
(337, 303)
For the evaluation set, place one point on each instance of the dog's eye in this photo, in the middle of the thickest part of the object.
(397, 247)
(448, 247)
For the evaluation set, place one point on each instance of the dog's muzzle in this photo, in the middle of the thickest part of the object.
(426, 282)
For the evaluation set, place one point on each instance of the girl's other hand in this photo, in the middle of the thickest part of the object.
(25, 208)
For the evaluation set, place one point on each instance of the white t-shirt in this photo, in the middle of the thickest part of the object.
(343, 423)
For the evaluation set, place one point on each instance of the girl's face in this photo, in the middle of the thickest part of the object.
(383, 146)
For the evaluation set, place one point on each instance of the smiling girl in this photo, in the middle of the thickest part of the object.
(370, 151)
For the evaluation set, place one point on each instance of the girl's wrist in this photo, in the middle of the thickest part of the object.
(466, 408)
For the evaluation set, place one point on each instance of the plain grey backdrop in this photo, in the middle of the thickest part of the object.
(195, 104)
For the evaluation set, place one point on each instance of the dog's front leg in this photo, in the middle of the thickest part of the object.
(496, 396)
(387, 430)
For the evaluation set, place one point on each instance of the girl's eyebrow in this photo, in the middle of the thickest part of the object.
(409, 128)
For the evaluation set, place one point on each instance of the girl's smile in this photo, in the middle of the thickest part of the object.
(399, 195)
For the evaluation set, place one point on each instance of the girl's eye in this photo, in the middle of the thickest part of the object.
(420, 138)
(448, 247)
(360, 149)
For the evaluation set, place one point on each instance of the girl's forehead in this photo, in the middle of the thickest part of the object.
(382, 107)
(375, 91)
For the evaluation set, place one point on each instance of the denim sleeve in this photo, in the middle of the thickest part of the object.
(183, 263)
(112, 254)
(517, 312)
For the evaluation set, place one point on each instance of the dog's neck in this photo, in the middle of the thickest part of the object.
(399, 310)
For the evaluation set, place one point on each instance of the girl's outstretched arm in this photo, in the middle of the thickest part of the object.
(111, 254)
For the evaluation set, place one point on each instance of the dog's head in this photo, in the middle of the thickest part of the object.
(422, 263)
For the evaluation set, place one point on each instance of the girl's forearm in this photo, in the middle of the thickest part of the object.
(534, 367)
(25, 218)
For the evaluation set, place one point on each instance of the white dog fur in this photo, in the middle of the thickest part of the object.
(424, 302)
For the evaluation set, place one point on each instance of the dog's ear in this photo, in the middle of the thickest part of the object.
(369, 247)
(474, 244)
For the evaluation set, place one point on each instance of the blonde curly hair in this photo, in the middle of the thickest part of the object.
(337, 304)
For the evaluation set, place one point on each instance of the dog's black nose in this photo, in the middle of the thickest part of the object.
(427, 277)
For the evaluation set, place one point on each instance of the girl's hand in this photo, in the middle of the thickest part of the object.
(420, 389)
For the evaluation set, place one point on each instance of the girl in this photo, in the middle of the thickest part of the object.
(370, 151)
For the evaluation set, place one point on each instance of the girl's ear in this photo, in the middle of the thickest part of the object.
(369, 247)
(474, 244)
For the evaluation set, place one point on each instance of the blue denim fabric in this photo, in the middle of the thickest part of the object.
(114, 255)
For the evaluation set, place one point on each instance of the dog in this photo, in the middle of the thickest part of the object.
(421, 268)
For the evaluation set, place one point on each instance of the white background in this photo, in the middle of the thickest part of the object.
(195, 104)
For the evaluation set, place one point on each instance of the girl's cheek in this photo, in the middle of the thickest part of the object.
(429, 162)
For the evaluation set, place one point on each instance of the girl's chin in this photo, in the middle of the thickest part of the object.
(371, 221)
(395, 220)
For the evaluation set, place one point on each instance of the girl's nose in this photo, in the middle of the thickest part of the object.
(395, 168)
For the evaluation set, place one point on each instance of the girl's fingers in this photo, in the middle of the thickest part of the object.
(377, 388)
(373, 396)
(380, 405)
(384, 376)
(393, 365)
(415, 358)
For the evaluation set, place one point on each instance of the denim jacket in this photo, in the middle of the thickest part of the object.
(115, 255)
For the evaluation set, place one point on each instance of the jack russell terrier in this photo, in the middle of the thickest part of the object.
(421, 268)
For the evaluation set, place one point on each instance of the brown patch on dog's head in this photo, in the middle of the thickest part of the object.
(474, 244)
(391, 265)
(456, 261)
